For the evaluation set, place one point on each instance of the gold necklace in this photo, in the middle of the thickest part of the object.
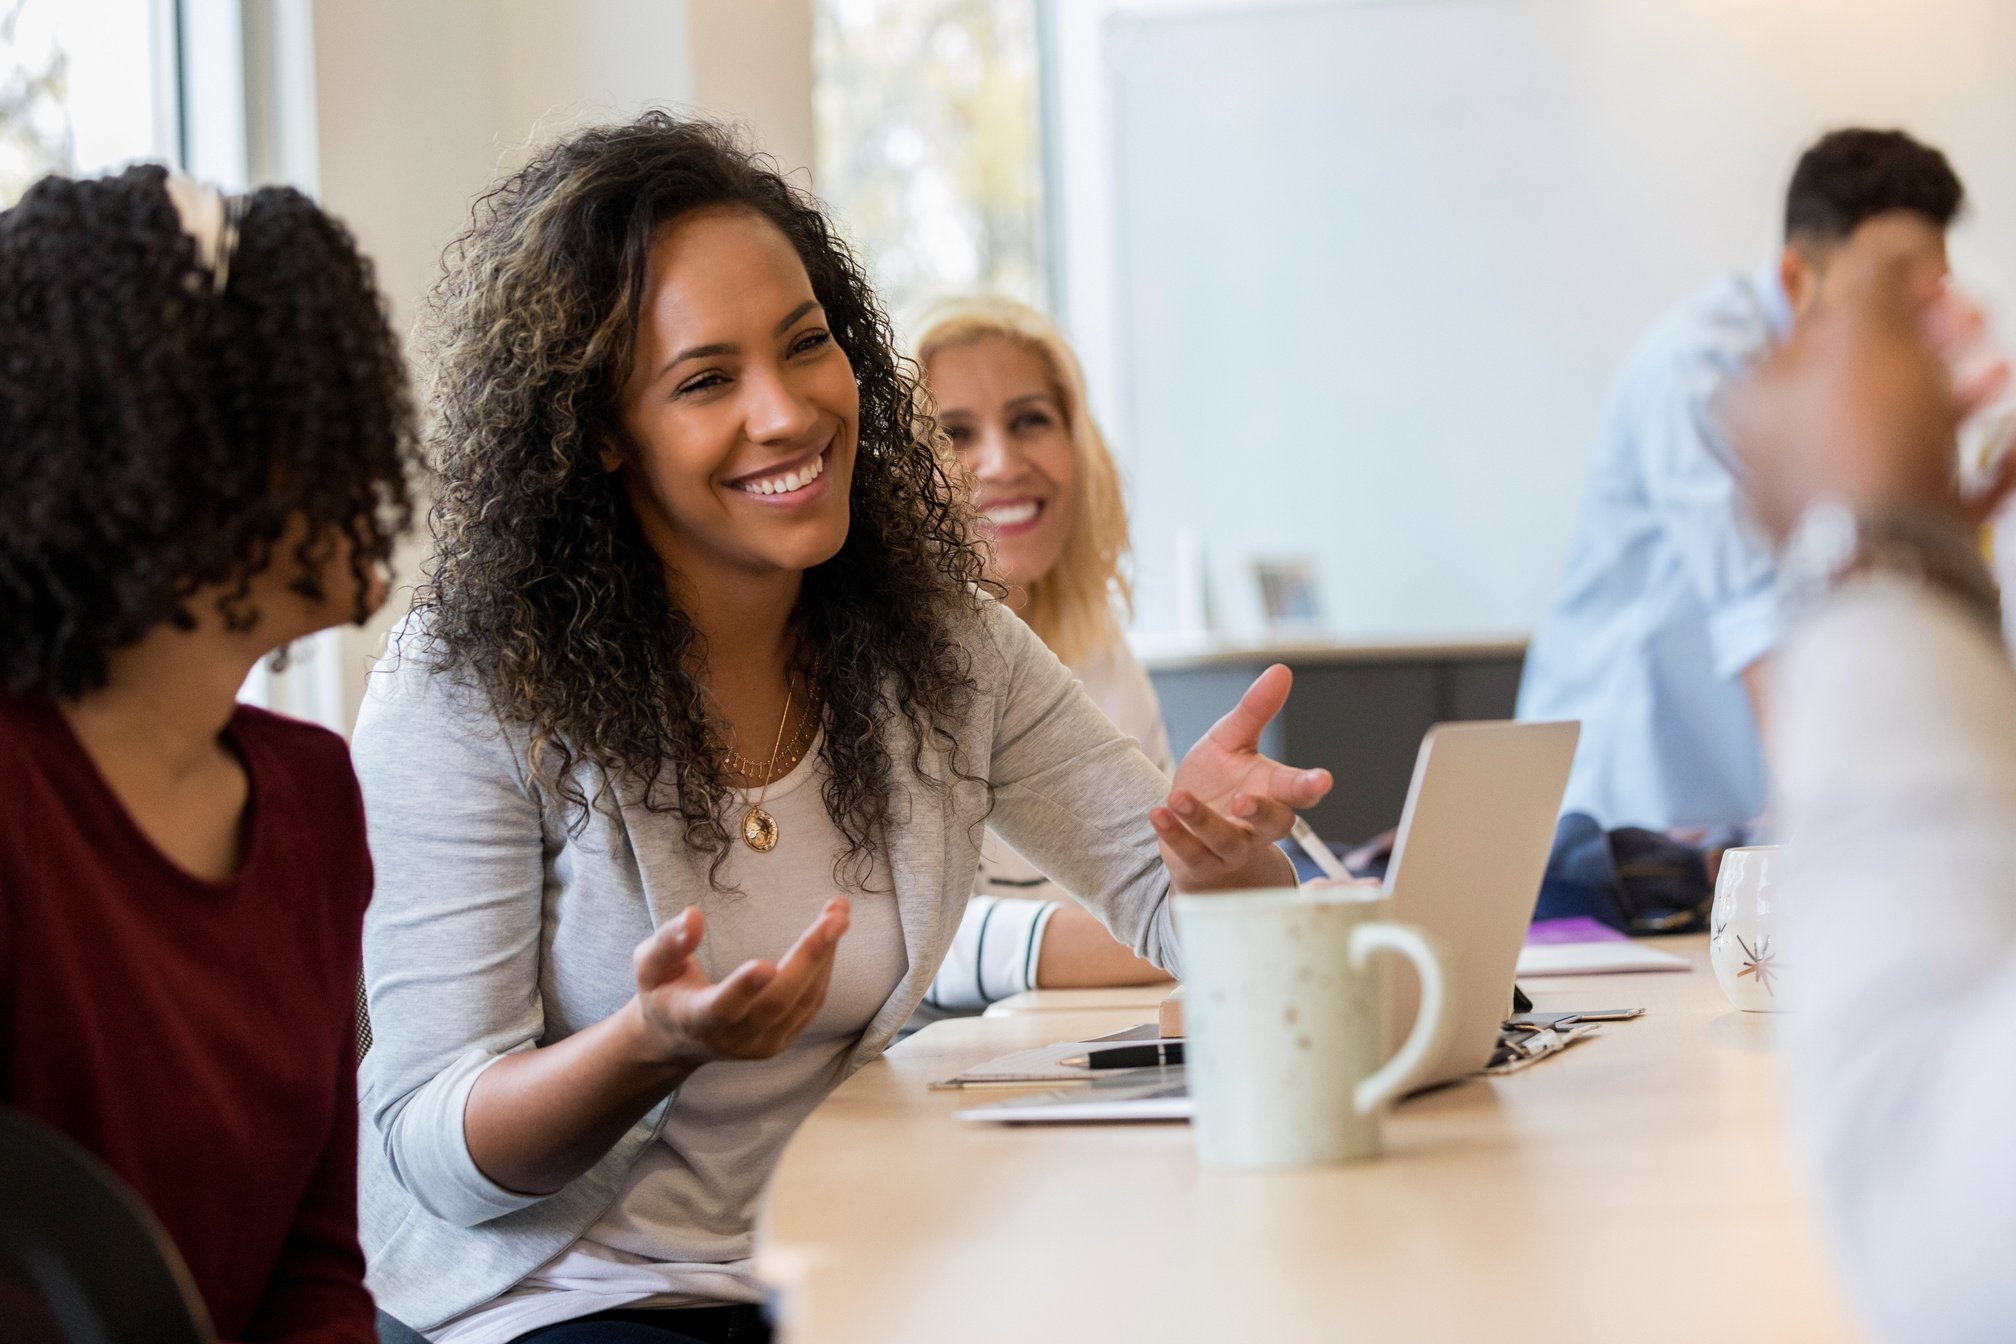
(759, 828)
(794, 751)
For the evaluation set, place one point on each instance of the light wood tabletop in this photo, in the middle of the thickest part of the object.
(1139, 1000)
(1633, 1188)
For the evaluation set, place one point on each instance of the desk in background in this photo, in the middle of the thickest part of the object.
(1358, 710)
(1635, 1187)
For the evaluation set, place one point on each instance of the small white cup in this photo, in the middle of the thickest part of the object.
(1743, 942)
(1281, 1011)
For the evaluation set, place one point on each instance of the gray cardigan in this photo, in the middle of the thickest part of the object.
(493, 929)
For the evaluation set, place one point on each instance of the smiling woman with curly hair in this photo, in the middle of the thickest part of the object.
(205, 436)
(549, 585)
(705, 678)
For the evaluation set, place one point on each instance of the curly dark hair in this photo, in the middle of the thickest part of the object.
(544, 589)
(1852, 175)
(158, 437)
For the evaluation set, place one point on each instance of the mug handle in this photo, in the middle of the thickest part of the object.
(1432, 1021)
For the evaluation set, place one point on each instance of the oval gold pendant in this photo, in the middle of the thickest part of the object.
(759, 830)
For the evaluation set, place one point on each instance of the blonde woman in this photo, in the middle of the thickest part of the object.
(1011, 399)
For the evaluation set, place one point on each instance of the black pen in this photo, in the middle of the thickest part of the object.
(1152, 1055)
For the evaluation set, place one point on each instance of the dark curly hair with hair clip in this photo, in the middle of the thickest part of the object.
(544, 590)
(159, 438)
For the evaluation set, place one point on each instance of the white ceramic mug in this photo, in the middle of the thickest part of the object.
(1281, 1018)
(1743, 941)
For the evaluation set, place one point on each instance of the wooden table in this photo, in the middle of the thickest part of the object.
(1633, 1188)
(1137, 1002)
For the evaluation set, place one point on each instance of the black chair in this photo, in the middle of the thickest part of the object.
(83, 1243)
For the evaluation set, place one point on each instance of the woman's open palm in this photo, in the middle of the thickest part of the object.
(754, 1013)
(1230, 802)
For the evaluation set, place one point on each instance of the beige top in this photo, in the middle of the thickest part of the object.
(678, 1233)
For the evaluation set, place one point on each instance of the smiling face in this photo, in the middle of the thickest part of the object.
(741, 410)
(999, 404)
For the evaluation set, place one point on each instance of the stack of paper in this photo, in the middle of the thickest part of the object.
(1585, 947)
(1041, 1064)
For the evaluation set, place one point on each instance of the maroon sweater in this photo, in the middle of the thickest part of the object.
(200, 1037)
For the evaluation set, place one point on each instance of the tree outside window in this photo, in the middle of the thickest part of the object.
(81, 88)
(929, 145)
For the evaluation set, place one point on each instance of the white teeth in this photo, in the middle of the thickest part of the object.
(1012, 515)
(790, 480)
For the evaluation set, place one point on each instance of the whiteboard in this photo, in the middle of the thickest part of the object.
(1370, 268)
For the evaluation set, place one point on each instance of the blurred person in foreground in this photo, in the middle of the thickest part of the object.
(1011, 400)
(1896, 754)
(1660, 638)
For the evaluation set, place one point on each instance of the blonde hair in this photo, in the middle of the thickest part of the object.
(1077, 607)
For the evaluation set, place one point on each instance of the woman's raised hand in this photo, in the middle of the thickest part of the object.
(754, 1013)
(1231, 804)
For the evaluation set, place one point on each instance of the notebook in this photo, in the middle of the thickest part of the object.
(1042, 1065)
(1596, 959)
(1585, 947)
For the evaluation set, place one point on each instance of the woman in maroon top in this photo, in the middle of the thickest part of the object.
(205, 438)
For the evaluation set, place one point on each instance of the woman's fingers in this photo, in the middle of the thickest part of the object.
(823, 932)
(1240, 730)
(1181, 842)
(761, 1006)
(800, 971)
(810, 1001)
(733, 999)
(813, 951)
(1268, 818)
(1288, 785)
(1227, 840)
(664, 954)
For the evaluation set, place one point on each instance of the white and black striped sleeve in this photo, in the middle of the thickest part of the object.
(993, 955)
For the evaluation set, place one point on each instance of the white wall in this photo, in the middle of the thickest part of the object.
(420, 102)
(753, 64)
(1351, 280)
(412, 107)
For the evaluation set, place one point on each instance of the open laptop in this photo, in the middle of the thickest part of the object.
(1467, 863)
(1467, 866)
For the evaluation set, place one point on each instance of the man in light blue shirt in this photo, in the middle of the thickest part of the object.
(1659, 638)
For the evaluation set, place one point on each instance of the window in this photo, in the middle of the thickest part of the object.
(84, 87)
(87, 86)
(929, 143)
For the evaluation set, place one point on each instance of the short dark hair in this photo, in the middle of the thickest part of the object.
(158, 437)
(1852, 175)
